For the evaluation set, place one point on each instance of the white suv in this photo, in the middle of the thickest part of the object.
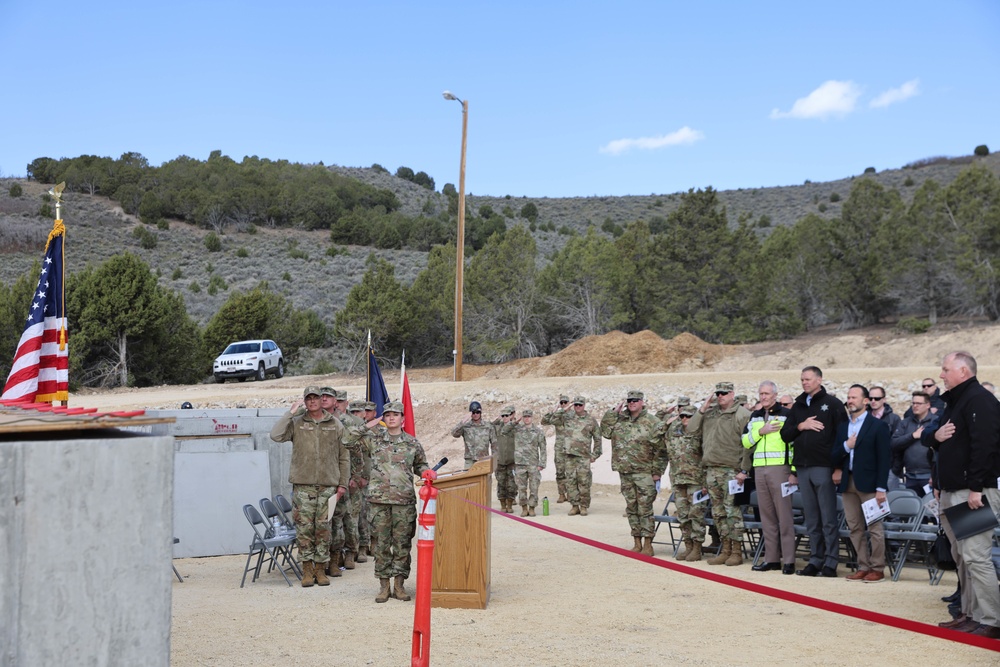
(249, 358)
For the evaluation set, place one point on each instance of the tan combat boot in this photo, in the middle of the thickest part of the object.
(637, 547)
(349, 560)
(508, 506)
(647, 546)
(362, 556)
(383, 593)
(308, 578)
(524, 510)
(333, 567)
(562, 498)
(735, 553)
(583, 511)
(531, 511)
(695, 553)
(398, 591)
(688, 546)
(575, 510)
(725, 549)
(320, 572)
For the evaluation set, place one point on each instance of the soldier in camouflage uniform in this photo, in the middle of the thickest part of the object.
(559, 446)
(581, 431)
(636, 439)
(396, 458)
(339, 524)
(356, 409)
(529, 459)
(503, 455)
(350, 534)
(720, 422)
(683, 453)
(320, 467)
(477, 434)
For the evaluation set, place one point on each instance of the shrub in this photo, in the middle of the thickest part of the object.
(822, 208)
(908, 182)
(981, 151)
(45, 210)
(147, 239)
(177, 274)
(529, 211)
(323, 367)
(251, 229)
(15, 190)
(242, 252)
(194, 286)
(209, 267)
(913, 325)
(287, 277)
(869, 170)
(162, 224)
(565, 230)
(834, 197)
(335, 250)
(212, 242)
(215, 283)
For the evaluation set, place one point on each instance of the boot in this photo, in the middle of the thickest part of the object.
(562, 497)
(383, 593)
(695, 553)
(583, 511)
(524, 510)
(724, 550)
(575, 510)
(637, 547)
(333, 567)
(308, 578)
(716, 541)
(508, 506)
(735, 553)
(349, 560)
(688, 546)
(398, 591)
(531, 511)
(647, 546)
(320, 572)
(362, 556)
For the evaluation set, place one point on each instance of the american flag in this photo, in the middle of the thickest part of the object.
(40, 372)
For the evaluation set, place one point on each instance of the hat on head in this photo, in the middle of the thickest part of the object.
(369, 405)
(725, 386)
(741, 398)
(327, 391)
(579, 400)
(635, 393)
(341, 394)
(475, 406)
(312, 390)
(683, 401)
(687, 410)
(563, 398)
(527, 413)
(356, 406)
(508, 410)
(393, 406)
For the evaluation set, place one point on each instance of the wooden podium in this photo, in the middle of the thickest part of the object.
(461, 577)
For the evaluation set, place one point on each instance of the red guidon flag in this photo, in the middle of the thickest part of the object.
(409, 426)
(40, 372)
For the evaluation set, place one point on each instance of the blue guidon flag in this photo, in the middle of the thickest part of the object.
(40, 371)
(376, 392)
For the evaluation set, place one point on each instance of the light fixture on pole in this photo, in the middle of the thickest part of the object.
(460, 255)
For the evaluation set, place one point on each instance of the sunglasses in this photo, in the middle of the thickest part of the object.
(876, 398)
(722, 393)
(786, 405)
(927, 386)
(634, 400)
(477, 412)
(563, 402)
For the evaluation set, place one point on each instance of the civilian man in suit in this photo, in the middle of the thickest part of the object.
(860, 459)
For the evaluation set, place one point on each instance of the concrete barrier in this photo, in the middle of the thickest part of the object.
(85, 545)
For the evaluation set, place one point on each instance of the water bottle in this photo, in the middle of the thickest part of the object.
(545, 506)
(275, 526)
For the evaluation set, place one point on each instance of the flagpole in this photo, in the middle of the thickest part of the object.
(368, 368)
(402, 374)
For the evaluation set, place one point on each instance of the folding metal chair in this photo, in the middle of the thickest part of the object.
(753, 529)
(277, 550)
(286, 510)
(176, 573)
(903, 529)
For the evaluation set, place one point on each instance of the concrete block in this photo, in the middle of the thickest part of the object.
(213, 445)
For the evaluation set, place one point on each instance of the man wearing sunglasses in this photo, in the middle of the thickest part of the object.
(477, 434)
(559, 446)
(881, 410)
(720, 421)
(908, 447)
(637, 437)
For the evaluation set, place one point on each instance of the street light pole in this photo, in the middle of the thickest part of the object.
(460, 251)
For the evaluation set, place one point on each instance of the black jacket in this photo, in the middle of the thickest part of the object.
(969, 459)
(812, 448)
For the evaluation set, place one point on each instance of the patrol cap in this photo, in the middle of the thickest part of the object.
(741, 398)
(579, 400)
(393, 406)
(725, 387)
(636, 394)
(341, 394)
(527, 413)
(369, 405)
(475, 406)
(508, 410)
(312, 390)
(687, 411)
(356, 406)
(327, 391)
(563, 398)
(683, 401)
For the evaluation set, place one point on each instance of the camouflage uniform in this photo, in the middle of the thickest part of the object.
(635, 444)
(395, 461)
(320, 463)
(346, 523)
(580, 431)
(529, 456)
(558, 447)
(503, 453)
(478, 439)
(683, 453)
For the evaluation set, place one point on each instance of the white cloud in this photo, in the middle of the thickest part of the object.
(893, 95)
(685, 135)
(833, 98)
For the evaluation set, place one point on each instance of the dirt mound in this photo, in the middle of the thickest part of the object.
(617, 353)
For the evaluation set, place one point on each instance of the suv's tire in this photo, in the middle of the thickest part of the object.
(280, 372)
(220, 379)
(261, 373)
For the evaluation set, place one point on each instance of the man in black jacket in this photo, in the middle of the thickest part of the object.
(812, 428)
(968, 445)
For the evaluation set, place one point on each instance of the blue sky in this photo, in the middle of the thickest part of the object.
(565, 98)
